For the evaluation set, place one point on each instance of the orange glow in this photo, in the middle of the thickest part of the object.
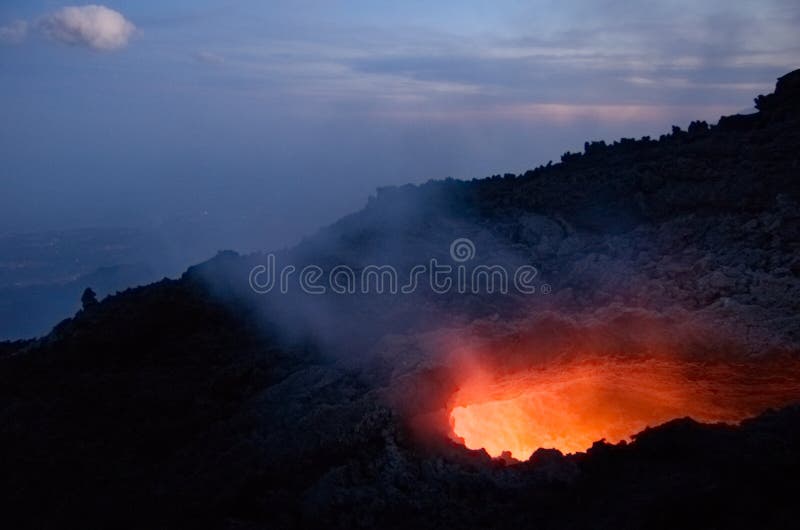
(570, 406)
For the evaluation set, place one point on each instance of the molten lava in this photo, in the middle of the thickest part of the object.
(570, 406)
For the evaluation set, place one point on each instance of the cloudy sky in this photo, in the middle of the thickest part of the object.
(266, 119)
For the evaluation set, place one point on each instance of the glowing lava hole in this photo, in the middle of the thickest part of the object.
(569, 407)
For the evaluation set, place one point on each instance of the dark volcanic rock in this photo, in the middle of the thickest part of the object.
(196, 403)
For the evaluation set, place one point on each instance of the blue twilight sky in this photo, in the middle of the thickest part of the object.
(254, 122)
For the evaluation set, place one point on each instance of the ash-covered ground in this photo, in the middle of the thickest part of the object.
(200, 403)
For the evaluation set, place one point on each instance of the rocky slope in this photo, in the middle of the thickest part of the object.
(196, 402)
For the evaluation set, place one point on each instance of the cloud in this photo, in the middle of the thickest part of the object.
(94, 26)
(208, 58)
(14, 33)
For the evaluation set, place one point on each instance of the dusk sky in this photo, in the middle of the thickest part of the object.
(270, 119)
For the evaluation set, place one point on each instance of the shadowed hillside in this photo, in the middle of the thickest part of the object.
(199, 403)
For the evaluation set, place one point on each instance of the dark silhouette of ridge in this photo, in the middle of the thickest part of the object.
(185, 403)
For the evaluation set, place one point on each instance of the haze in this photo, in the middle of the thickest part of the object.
(249, 124)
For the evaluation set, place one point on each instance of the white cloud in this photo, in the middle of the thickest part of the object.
(14, 33)
(97, 27)
(209, 58)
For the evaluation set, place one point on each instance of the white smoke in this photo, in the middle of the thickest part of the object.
(94, 26)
